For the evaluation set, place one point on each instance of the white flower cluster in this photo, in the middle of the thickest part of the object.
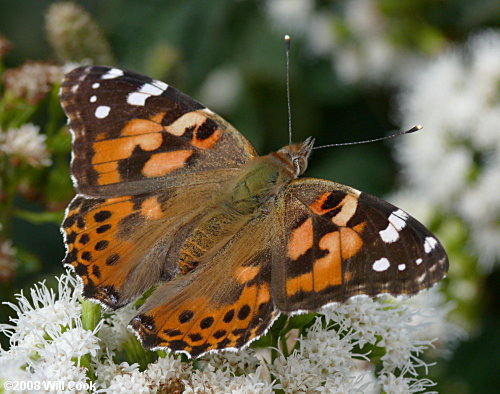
(353, 34)
(333, 360)
(454, 163)
(48, 342)
(27, 143)
(47, 335)
(32, 81)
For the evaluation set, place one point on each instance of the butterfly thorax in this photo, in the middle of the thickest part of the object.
(248, 194)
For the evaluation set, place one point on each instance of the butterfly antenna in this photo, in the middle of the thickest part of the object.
(287, 53)
(412, 130)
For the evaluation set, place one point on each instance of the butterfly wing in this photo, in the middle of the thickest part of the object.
(337, 242)
(136, 141)
(223, 304)
(120, 246)
(133, 134)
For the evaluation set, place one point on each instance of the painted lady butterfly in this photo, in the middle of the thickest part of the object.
(169, 193)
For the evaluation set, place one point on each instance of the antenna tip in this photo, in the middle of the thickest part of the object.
(413, 129)
(287, 42)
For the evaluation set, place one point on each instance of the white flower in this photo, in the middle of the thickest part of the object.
(131, 380)
(221, 88)
(47, 336)
(327, 348)
(290, 14)
(168, 372)
(296, 373)
(401, 326)
(114, 331)
(209, 379)
(46, 309)
(252, 383)
(236, 362)
(62, 369)
(456, 158)
(75, 342)
(106, 370)
(360, 45)
(391, 383)
(32, 81)
(431, 311)
(27, 143)
(329, 358)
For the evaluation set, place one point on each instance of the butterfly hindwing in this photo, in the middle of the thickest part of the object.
(225, 303)
(120, 246)
(133, 134)
(338, 242)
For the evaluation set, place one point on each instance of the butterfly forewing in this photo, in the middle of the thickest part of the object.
(338, 242)
(133, 134)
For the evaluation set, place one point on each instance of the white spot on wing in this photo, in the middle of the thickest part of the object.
(102, 111)
(145, 91)
(401, 267)
(381, 264)
(389, 235)
(418, 261)
(397, 222)
(161, 85)
(398, 219)
(113, 73)
(93, 99)
(95, 85)
(429, 244)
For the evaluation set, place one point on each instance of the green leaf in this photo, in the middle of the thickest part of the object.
(135, 353)
(301, 321)
(59, 142)
(39, 217)
(57, 187)
(91, 315)
(142, 300)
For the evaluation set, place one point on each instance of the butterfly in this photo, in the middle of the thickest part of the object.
(171, 195)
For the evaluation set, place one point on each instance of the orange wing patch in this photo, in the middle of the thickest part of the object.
(199, 324)
(318, 206)
(351, 242)
(205, 131)
(144, 126)
(151, 208)
(348, 207)
(99, 246)
(162, 163)
(246, 273)
(318, 247)
(327, 270)
(303, 282)
(92, 249)
(301, 239)
(147, 134)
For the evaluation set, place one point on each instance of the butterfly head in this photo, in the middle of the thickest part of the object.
(298, 155)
